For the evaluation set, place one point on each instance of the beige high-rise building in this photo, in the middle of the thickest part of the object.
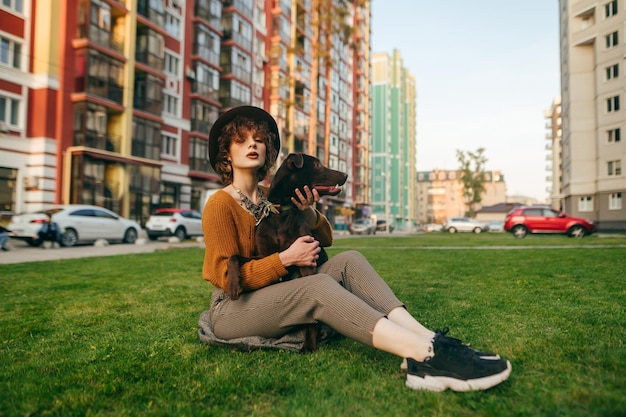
(553, 153)
(593, 86)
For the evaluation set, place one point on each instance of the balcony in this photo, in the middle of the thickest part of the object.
(204, 9)
(238, 38)
(242, 6)
(152, 10)
(148, 94)
(200, 165)
(202, 126)
(238, 71)
(98, 140)
(101, 88)
(150, 48)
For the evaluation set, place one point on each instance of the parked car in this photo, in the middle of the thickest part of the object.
(182, 223)
(382, 225)
(496, 226)
(79, 223)
(432, 227)
(464, 224)
(362, 227)
(532, 219)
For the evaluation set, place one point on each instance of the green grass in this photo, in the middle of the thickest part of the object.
(117, 336)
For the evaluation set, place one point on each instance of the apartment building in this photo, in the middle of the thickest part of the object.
(110, 102)
(593, 86)
(393, 146)
(440, 194)
(553, 153)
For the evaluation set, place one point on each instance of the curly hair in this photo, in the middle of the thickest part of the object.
(238, 129)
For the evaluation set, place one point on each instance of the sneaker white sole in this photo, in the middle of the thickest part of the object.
(438, 384)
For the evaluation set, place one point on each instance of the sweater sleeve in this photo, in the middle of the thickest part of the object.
(228, 233)
(322, 231)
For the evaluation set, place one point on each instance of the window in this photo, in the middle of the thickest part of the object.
(170, 104)
(612, 104)
(610, 9)
(146, 141)
(611, 40)
(171, 64)
(17, 5)
(169, 145)
(533, 212)
(8, 179)
(612, 72)
(10, 111)
(614, 135)
(10, 53)
(614, 168)
(615, 201)
(172, 25)
(585, 203)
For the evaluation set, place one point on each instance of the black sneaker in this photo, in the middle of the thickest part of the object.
(456, 368)
(481, 354)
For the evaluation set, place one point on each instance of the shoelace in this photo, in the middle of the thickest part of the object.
(454, 343)
(443, 332)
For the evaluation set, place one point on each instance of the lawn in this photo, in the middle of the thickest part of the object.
(117, 336)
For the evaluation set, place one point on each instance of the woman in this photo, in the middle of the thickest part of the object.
(346, 294)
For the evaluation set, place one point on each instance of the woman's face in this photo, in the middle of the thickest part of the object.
(248, 152)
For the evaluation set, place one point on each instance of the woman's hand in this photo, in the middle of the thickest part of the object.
(306, 200)
(303, 252)
(306, 203)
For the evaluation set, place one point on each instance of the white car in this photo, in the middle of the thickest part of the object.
(464, 224)
(182, 223)
(78, 223)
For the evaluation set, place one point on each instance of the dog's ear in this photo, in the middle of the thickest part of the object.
(295, 161)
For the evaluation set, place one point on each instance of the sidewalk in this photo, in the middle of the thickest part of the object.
(21, 252)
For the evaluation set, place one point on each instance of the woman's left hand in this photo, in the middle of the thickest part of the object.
(306, 200)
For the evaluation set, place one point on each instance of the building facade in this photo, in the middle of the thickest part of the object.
(554, 153)
(593, 85)
(440, 194)
(393, 145)
(110, 102)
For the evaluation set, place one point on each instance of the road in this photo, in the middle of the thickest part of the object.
(20, 252)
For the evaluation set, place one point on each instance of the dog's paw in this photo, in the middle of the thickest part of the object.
(234, 290)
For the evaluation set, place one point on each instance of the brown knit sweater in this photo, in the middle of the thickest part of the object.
(229, 230)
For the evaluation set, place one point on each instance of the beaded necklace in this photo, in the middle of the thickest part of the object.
(259, 211)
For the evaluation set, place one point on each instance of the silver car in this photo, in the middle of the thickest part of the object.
(362, 227)
(78, 223)
(464, 224)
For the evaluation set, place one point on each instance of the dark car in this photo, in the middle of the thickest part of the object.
(532, 219)
(383, 225)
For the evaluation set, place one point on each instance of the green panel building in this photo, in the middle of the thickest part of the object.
(393, 142)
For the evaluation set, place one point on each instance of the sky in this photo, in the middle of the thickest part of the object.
(485, 71)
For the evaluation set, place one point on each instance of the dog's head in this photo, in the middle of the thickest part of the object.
(298, 170)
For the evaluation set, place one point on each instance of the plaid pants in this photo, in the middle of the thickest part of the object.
(346, 294)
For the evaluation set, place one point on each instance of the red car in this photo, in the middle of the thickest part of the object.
(533, 219)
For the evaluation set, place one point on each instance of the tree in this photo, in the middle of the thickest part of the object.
(472, 171)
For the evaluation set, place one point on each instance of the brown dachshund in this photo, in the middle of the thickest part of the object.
(282, 227)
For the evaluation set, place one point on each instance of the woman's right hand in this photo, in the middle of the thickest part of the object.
(303, 252)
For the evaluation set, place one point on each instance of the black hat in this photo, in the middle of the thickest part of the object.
(249, 112)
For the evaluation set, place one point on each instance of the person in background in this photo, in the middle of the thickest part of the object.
(49, 232)
(4, 236)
